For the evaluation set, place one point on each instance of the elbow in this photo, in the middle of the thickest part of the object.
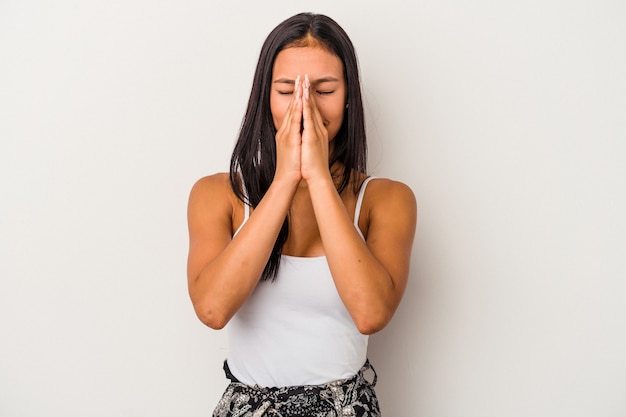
(212, 319)
(372, 323)
(209, 310)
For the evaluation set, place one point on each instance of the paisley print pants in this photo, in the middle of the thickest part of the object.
(353, 397)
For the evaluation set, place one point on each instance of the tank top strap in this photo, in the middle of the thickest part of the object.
(246, 212)
(246, 209)
(359, 203)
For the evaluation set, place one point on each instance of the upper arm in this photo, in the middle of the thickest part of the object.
(392, 219)
(209, 216)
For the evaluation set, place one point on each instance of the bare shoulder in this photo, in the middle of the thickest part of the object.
(214, 188)
(387, 193)
(211, 195)
(389, 213)
(212, 183)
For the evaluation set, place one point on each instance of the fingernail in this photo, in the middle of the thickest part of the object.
(297, 88)
(307, 84)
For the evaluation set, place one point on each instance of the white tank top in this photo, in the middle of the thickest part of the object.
(296, 330)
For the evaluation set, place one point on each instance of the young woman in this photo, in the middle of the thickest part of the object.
(297, 249)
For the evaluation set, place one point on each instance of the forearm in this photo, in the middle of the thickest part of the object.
(364, 285)
(228, 279)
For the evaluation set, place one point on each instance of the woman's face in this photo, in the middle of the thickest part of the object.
(328, 86)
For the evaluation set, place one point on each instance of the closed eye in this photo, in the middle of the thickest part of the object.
(324, 93)
(285, 93)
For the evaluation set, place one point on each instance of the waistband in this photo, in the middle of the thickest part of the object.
(340, 382)
(353, 396)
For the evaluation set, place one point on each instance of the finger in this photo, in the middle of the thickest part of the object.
(316, 115)
(291, 111)
(306, 107)
(295, 98)
(297, 89)
(295, 115)
(313, 117)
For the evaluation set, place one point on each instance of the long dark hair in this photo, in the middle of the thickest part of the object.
(253, 162)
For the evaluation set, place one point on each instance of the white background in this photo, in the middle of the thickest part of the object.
(507, 119)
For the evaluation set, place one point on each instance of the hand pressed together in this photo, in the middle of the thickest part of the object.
(314, 138)
(302, 142)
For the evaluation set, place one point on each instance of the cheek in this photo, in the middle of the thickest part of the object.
(278, 107)
(332, 113)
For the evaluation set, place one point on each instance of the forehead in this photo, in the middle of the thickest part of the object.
(315, 61)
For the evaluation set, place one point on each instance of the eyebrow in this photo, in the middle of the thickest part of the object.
(313, 82)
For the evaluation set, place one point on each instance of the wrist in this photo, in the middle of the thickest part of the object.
(286, 182)
(321, 182)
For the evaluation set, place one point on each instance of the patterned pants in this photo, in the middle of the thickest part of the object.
(353, 397)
